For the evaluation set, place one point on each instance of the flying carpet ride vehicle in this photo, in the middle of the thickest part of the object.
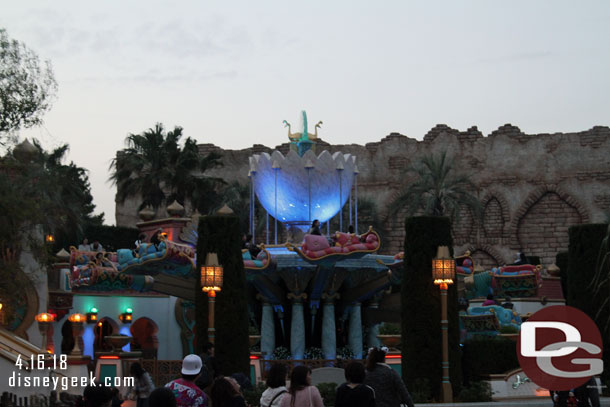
(122, 270)
(317, 250)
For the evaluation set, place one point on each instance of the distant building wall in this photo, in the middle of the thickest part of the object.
(533, 187)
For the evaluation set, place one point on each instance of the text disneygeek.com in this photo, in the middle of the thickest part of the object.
(64, 382)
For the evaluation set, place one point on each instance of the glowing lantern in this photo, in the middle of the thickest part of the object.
(92, 315)
(77, 318)
(443, 268)
(126, 317)
(49, 238)
(211, 275)
(44, 317)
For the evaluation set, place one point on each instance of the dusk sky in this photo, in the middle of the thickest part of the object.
(229, 72)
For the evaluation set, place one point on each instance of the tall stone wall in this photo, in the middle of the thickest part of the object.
(532, 186)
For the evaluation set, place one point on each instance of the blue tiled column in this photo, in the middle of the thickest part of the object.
(297, 330)
(267, 331)
(372, 341)
(355, 331)
(329, 335)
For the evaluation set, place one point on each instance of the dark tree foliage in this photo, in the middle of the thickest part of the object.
(155, 167)
(40, 190)
(221, 234)
(583, 251)
(437, 190)
(585, 241)
(421, 306)
(561, 261)
(27, 86)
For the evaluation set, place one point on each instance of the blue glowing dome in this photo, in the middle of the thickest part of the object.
(329, 178)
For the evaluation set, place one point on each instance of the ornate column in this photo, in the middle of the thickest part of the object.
(329, 334)
(372, 340)
(355, 331)
(297, 326)
(267, 329)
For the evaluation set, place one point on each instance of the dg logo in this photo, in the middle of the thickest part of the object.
(560, 348)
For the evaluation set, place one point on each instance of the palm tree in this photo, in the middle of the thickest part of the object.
(438, 190)
(155, 167)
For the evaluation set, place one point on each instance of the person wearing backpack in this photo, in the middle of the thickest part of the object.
(276, 386)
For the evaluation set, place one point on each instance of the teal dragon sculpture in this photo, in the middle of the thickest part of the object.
(304, 141)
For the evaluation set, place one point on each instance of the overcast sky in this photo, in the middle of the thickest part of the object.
(229, 72)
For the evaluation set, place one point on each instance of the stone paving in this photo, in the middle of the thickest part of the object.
(540, 402)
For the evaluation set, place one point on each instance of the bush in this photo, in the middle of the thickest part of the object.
(507, 329)
(585, 241)
(220, 234)
(484, 355)
(421, 391)
(328, 391)
(421, 307)
(314, 353)
(110, 237)
(281, 353)
(253, 395)
(345, 352)
(388, 328)
(477, 392)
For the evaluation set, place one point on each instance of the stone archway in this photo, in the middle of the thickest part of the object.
(104, 327)
(486, 256)
(144, 332)
(495, 217)
(541, 227)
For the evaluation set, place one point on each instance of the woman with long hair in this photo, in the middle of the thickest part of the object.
(276, 386)
(301, 393)
(390, 391)
(143, 385)
(226, 392)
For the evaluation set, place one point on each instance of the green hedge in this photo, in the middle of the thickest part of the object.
(483, 356)
(110, 237)
(561, 261)
(221, 234)
(421, 307)
(585, 241)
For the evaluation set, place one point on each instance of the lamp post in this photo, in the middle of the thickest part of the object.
(44, 320)
(443, 272)
(77, 321)
(211, 282)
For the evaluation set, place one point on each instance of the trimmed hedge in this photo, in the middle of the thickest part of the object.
(561, 261)
(483, 356)
(585, 242)
(421, 307)
(110, 237)
(221, 234)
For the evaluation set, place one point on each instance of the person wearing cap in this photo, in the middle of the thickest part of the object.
(186, 391)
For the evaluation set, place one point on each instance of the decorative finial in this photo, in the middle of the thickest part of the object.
(225, 210)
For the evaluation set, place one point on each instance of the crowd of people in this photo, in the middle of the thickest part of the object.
(374, 384)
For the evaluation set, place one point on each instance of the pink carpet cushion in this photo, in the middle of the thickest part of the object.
(315, 243)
